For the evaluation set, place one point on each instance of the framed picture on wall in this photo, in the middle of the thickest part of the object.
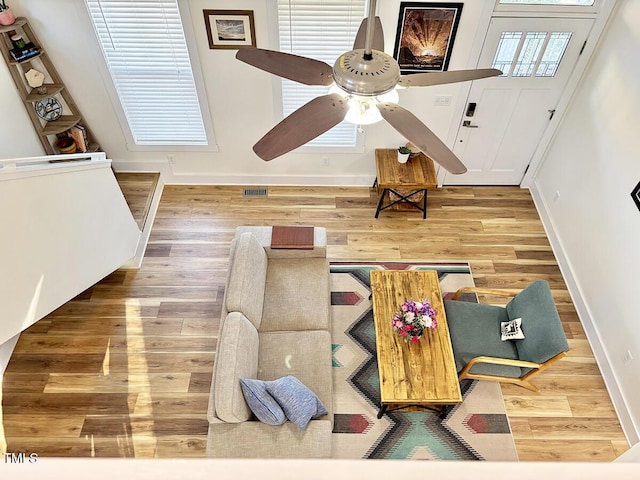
(425, 35)
(230, 29)
(635, 194)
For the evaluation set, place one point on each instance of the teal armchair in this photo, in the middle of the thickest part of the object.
(476, 335)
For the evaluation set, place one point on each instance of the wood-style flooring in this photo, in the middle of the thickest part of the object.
(124, 369)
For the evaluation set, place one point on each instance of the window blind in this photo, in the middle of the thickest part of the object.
(146, 53)
(324, 30)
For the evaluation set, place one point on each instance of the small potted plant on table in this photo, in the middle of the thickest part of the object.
(403, 154)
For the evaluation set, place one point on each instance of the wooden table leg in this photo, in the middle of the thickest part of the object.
(381, 412)
(384, 192)
(424, 205)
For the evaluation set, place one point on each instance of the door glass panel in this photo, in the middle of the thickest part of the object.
(507, 48)
(552, 56)
(529, 54)
(549, 2)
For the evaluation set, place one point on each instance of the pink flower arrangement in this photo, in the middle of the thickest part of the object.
(413, 318)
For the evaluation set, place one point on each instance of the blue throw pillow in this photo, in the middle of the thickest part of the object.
(263, 405)
(299, 403)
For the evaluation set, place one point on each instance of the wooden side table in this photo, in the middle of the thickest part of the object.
(417, 175)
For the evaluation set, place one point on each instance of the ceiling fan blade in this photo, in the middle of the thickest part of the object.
(304, 124)
(294, 67)
(439, 78)
(378, 36)
(407, 124)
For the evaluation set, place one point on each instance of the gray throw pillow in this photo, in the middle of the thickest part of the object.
(261, 403)
(299, 403)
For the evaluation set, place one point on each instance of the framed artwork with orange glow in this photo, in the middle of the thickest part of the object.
(426, 31)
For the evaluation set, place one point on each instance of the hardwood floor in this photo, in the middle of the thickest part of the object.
(124, 369)
(137, 189)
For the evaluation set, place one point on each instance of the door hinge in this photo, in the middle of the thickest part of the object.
(582, 49)
(551, 113)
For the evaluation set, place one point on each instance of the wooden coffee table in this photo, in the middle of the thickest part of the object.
(412, 374)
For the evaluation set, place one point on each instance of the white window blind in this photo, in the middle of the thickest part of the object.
(324, 30)
(146, 53)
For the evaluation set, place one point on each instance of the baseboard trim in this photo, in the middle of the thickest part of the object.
(619, 402)
(171, 178)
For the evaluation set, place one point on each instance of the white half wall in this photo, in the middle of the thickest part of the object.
(583, 192)
(65, 226)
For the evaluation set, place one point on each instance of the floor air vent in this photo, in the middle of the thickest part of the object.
(255, 192)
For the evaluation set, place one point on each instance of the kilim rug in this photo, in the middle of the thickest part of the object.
(477, 429)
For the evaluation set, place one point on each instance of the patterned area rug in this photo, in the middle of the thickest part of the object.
(477, 429)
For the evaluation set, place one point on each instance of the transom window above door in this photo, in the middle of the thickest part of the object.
(530, 54)
(549, 2)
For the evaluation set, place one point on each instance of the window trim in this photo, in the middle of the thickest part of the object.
(198, 78)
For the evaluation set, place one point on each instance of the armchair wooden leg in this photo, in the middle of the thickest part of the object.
(516, 381)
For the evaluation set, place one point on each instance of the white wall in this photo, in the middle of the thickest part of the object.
(593, 164)
(17, 136)
(240, 98)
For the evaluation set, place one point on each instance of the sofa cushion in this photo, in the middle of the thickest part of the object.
(306, 355)
(259, 440)
(545, 337)
(246, 285)
(297, 295)
(299, 403)
(475, 332)
(236, 358)
(261, 403)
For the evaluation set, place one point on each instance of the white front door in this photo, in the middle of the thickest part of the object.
(506, 116)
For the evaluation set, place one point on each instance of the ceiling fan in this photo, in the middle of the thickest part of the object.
(363, 85)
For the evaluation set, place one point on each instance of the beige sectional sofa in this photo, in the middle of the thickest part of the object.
(275, 322)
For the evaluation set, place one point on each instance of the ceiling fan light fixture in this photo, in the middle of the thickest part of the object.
(363, 109)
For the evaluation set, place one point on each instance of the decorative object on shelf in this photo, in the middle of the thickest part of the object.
(426, 31)
(6, 15)
(18, 41)
(35, 79)
(66, 145)
(79, 135)
(230, 29)
(413, 318)
(48, 109)
(20, 54)
(403, 154)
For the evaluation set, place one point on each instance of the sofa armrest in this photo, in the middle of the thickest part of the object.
(263, 234)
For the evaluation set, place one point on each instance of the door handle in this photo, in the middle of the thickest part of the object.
(467, 123)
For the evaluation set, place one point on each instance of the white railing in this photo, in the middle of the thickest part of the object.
(49, 163)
